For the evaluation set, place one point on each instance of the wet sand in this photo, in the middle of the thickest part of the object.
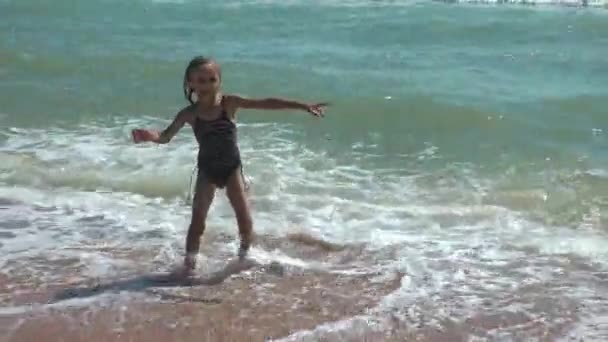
(57, 299)
(254, 305)
(245, 302)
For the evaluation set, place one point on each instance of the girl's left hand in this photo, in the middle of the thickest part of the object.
(317, 109)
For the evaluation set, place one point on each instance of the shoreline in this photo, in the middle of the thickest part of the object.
(257, 303)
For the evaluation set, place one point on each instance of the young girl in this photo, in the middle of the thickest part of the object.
(212, 118)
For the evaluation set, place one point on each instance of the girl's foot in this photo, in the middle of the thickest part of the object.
(243, 250)
(189, 263)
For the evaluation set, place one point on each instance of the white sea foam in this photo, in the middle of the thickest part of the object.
(455, 251)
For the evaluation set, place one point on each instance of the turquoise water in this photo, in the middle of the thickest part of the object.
(454, 127)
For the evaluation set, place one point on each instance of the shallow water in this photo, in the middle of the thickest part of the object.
(465, 154)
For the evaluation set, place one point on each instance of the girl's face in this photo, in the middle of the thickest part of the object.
(204, 80)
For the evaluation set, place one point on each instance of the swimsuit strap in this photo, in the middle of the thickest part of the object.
(224, 112)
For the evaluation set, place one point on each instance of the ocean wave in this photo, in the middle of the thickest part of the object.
(564, 3)
(27, 170)
(388, 3)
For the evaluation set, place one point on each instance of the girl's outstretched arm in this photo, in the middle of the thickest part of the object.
(316, 109)
(161, 137)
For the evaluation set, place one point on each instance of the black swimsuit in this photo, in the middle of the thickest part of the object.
(218, 155)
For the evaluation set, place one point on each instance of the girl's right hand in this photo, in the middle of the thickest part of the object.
(317, 109)
(144, 135)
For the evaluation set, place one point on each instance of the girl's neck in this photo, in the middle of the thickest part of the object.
(208, 101)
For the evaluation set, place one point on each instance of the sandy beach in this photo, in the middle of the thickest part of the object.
(254, 303)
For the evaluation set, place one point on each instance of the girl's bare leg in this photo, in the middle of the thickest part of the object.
(203, 197)
(235, 189)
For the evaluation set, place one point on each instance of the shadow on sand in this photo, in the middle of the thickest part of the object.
(147, 283)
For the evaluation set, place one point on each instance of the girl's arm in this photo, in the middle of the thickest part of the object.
(161, 137)
(236, 102)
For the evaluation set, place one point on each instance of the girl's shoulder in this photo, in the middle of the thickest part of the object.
(187, 114)
(230, 99)
(230, 104)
